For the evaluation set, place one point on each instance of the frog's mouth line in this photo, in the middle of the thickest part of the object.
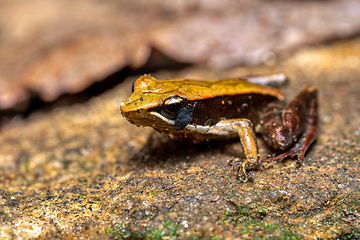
(189, 127)
(169, 121)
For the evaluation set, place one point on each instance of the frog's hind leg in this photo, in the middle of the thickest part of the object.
(281, 129)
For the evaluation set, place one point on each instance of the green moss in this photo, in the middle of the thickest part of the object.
(121, 231)
(124, 232)
(171, 227)
(157, 234)
(353, 235)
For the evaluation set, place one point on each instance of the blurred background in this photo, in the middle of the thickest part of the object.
(62, 52)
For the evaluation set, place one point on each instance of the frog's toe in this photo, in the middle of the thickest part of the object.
(244, 176)
(239, 167)
(237, 164)
(300, 162)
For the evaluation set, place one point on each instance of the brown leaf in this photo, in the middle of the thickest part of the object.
(74, 65)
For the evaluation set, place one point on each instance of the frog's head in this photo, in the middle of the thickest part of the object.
(157, 104)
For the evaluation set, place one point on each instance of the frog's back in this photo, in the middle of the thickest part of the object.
(200, 89)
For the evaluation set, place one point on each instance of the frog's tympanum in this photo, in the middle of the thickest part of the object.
(205, 110)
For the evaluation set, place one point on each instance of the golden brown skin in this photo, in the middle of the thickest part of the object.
(223, 109)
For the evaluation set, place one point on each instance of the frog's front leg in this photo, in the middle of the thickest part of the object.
(244, 128)
(296, 123)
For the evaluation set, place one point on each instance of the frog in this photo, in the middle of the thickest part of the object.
(204, 110)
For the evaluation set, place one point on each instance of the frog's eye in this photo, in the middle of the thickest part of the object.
(172, 105)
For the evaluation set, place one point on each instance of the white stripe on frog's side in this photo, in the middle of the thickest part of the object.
(190, 127)
(222, 128)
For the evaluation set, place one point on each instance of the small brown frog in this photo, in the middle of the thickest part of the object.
(205, 110)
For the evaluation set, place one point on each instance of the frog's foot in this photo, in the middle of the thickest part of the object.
(308, 137)
(241, 167)
(300, 148)
(240, 171)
